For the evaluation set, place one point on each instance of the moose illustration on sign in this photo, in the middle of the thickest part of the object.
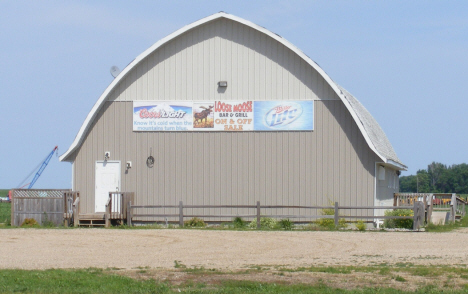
(198, 117)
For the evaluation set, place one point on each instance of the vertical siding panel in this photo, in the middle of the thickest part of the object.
(179, 82)
(268, 168)
(354, 170)
(320, 157)
(215, 61)
(268, 70)
(161, 73)
(150, 78)
(361, 180)
(313, 140)
(336, 151)
(190, 74)
(228, 59)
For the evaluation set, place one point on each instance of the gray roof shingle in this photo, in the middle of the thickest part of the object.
(372, 128)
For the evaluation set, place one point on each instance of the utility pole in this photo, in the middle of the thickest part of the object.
(417, 183)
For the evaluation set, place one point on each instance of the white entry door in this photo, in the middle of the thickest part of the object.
(107, 180)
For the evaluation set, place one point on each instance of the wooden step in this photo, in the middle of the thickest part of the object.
(92, 220)
(92, 223)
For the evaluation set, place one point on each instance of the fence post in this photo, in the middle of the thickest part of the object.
(12, 205)
(425, 208)
(258, 215)
(76, 212)
(181, 214)
(129, 214)
(336, 214)
(429, 209)
(65, 209)
(418, 214)
(453, 208)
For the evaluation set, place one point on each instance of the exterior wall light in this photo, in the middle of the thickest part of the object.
(222, 84)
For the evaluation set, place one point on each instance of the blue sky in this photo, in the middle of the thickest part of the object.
(406, 61)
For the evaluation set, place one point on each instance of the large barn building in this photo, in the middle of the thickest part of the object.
(224, 111)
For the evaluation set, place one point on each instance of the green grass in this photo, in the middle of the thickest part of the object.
(5, 209)
(4, 192)
(463, 223)
(74, 281)
(107, 281)
(384, 269)
(5, 213)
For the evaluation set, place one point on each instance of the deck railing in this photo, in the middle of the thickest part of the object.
(448, 202)
(417, 207)
(116, 206)
(69, 198)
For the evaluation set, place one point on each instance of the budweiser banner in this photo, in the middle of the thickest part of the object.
(235, 115)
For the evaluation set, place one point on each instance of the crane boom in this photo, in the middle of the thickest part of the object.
(43, 166)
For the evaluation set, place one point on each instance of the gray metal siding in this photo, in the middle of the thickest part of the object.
(255, 66)
(333, 162)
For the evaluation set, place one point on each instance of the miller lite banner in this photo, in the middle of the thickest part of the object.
(223, 115)
(284, 115)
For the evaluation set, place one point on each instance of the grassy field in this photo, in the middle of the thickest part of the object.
(5, 213)
(4, 192)
(5, 209)
(206, 281)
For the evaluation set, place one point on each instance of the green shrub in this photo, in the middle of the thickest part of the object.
(29, 223)
(398, 223)
(360, 225)
(195, 223)
(286, 224)
(265, 223)
(238, 223)
(47, 222)
(329, 223)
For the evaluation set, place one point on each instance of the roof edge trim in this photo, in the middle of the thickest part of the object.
(97, 106)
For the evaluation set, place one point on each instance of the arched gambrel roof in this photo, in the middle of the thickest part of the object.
(370, 129)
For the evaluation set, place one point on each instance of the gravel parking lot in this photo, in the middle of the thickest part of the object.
(160, 249)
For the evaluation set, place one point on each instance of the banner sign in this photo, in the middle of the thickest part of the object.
(284, 115)
(223, 115)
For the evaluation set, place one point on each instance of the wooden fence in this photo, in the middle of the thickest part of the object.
(454, 205)
(41, 205)
(417, 207)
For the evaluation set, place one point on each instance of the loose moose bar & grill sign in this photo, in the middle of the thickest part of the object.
(223, 115)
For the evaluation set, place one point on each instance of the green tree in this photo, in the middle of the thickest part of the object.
(438, 178)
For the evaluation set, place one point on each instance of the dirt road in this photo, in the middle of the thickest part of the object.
(127, 249)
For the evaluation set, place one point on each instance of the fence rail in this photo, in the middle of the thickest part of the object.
(417, 207)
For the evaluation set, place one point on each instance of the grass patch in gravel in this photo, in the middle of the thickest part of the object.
(74, 281)
(108, 281)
